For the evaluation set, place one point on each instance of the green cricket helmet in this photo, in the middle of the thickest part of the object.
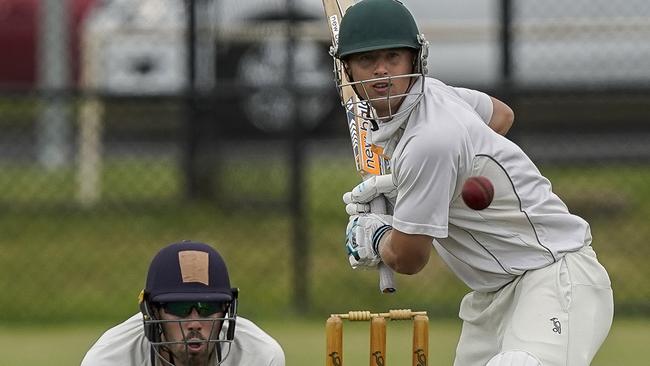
(372, 25)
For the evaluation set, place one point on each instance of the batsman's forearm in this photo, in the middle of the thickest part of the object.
(391, 258)
(405, 253)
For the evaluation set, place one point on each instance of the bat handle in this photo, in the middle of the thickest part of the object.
(386, 277)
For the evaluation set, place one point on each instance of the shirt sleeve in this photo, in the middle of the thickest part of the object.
(479, 101)
(426, 175)
(123, 345)
(253, 346)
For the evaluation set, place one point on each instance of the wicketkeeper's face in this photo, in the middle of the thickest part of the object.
(192, 333)
(378, 73)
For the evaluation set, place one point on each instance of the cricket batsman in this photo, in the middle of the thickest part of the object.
(539, 295)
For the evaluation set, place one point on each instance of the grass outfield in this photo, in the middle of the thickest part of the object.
(304, 343)
(90, 264)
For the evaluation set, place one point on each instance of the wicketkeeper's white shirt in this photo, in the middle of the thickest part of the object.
(126, 345)
(444, 141)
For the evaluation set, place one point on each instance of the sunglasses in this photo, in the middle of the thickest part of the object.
(184, 308)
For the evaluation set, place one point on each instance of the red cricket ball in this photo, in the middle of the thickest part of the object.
(478, 192)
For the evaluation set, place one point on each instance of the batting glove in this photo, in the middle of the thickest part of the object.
(357, 200)
(362, 238)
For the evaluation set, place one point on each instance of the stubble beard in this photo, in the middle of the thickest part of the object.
(188, 358)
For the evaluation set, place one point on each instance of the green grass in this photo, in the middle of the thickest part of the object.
(304, 343)
(90, 263)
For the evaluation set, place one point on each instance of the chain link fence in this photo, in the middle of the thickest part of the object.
(222, 125)
(581, 43)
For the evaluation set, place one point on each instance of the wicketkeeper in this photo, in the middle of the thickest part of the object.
(188, 317)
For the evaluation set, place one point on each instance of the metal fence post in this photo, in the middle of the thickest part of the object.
(507, 84)
(191, 124)
(300, 241)
(506, 42)
(54, 128)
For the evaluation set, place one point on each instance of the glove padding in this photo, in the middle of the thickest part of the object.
(357, 201)
(362, 238)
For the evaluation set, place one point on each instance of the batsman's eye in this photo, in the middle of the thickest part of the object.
(395, 57)
(184, 308)
(364, 60)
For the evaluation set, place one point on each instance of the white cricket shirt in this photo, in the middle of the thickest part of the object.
(126, 345)
(445, 140)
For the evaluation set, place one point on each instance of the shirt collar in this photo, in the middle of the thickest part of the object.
(387, 130)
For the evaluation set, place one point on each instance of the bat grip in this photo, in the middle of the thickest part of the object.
(386, 277)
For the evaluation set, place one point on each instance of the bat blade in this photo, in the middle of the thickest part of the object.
(368, 161)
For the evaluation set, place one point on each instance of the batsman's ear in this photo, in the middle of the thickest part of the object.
(346, 69)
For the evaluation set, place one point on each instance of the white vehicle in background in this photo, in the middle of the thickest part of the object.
(135, 47)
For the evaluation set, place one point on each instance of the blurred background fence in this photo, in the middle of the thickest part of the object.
(127, 125)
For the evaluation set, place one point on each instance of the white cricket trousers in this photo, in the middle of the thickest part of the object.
(561, 314)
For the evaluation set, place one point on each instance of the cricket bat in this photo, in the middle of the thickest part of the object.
(368, 161)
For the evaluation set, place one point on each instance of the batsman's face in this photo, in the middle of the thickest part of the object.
(192, 332)
(386, 65)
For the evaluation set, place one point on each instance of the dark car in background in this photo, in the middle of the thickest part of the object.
(270, 76)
